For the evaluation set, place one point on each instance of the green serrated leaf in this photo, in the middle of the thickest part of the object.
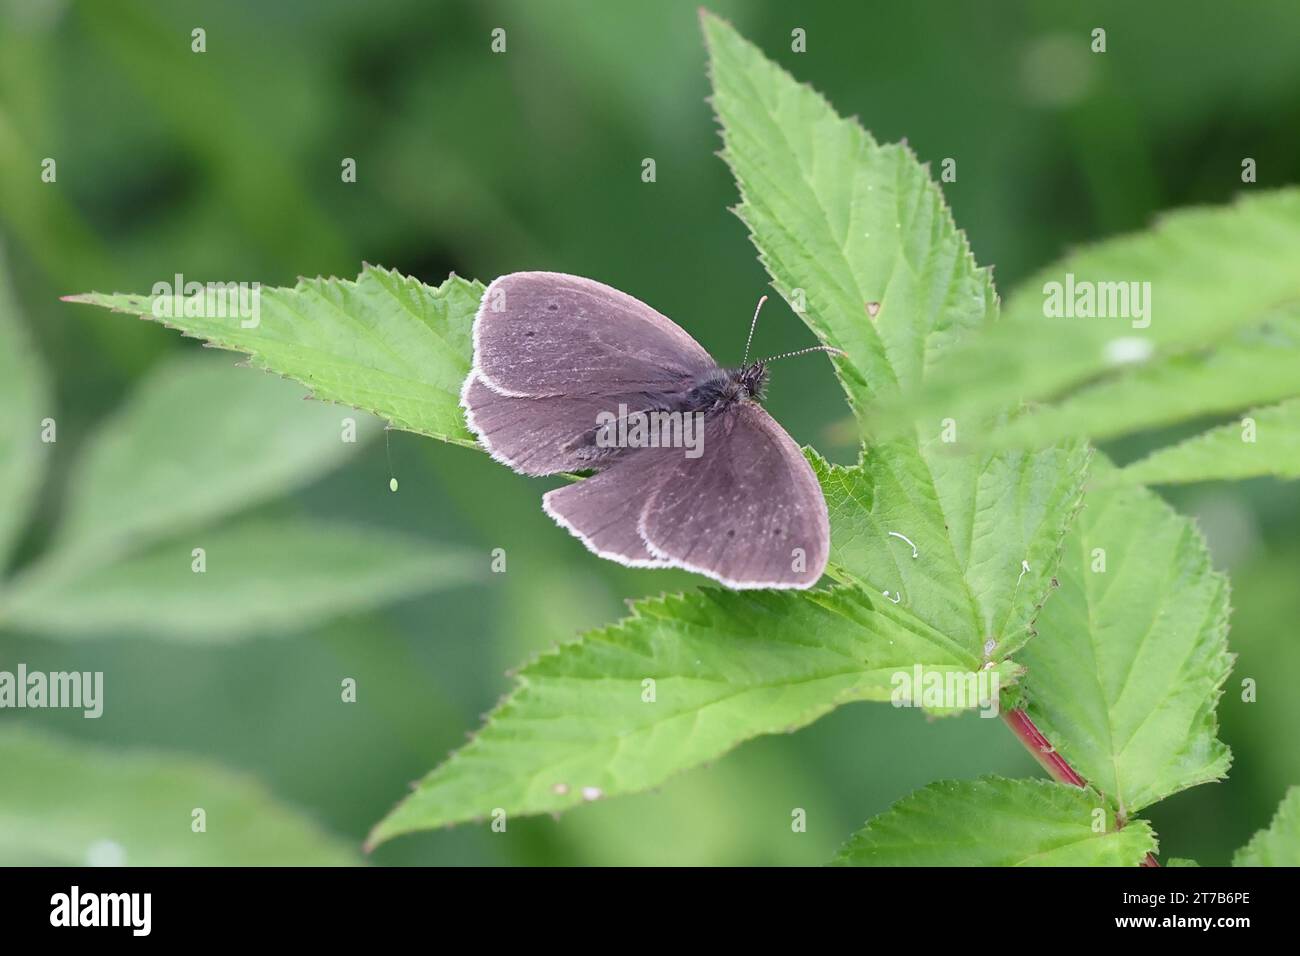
(987, 533)
(24, 402)
(385, 343)
(258, 576)
(847, 222)
(843, 223)
(1132, 650)
(725, 666)
(1279, 845)
(1266, 441)
(993, 821)
(66, 804)
(1212, 272)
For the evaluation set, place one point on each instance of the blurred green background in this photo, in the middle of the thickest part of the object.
(226, 166)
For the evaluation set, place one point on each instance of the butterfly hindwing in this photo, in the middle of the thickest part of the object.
(604, 511)
(748, 512)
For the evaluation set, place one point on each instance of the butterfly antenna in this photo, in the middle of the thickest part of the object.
(811, 348)
(752, 325)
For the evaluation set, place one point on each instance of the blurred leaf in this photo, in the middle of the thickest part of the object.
(1128, 667)
(67, 804)
(1222, 453)
(845, 221)
(24, 401)
(198, 440)
(737, 813)
(1255, 364)
(1212, 272)
(1279, 845)
(262, 189)
(264, 575)
(726, 666)
(993, 821)
(1180, 861)
(1266, 605)
(385, 343)
(987, 531)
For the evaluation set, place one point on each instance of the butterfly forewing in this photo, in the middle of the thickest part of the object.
(544, 333)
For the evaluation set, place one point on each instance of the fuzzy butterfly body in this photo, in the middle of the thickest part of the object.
(563, 365)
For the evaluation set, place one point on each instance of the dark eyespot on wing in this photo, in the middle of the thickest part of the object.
(748, 512)
(546, 334)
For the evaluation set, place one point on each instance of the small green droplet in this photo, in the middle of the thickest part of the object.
(392, 484)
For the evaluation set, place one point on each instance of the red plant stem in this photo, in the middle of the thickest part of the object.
(1036, 743)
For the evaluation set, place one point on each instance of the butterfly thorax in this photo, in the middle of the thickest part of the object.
(722, 388)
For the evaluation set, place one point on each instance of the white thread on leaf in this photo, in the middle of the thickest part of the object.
(895, 534)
